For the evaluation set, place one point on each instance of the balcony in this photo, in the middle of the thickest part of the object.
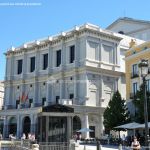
(66, 101)
(134, 75)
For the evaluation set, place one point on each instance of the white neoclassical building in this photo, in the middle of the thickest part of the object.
(132, 27)
(57, 85)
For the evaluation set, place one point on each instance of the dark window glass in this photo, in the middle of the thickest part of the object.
(43, 100)
(32, 65)
(71, 96)
(135, 69)
(17, 102)
(30, 101)
(58, 58)
(45, 61)
(57, 99)
(72, 53)
(135, 88)
(19, 71)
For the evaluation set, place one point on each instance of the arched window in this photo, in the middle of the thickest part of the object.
(76, 124)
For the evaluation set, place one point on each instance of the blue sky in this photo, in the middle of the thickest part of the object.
(20, 24)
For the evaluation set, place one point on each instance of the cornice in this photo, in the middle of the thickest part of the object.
(64, 36)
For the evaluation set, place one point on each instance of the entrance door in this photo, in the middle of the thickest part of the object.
(13, 126)
(26, 125)
(92, 134)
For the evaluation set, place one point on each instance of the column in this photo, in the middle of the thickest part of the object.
(18, 126)
(48, 98)
(50, 60)
(36, 91)
(101, 126)
(101, 91)
(62, 87)
(37, 63)
(75, 101)
(47, 127)
(77, 50)
(24, 71)
(85, 124)
(5, 128)
(32, 126)
(69, 128)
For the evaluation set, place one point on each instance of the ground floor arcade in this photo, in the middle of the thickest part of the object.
(50, 123)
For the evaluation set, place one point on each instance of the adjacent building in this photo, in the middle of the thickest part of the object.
(133, 79)
(59, 84)
(139, 29)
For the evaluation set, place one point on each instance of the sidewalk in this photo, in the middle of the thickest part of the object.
(93, 147)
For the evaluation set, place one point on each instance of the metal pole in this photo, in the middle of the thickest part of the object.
(146, 115)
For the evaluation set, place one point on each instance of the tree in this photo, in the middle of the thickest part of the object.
(116, 113)
(138, 102)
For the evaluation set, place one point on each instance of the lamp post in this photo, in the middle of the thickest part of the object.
(143, 65)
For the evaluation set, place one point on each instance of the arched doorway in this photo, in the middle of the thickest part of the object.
(26, 125)
(12, 126)
(76, 124)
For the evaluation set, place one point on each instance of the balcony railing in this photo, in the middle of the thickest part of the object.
(66, 101)
(134, 75)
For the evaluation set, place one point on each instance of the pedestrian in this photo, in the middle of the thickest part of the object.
(135, 144)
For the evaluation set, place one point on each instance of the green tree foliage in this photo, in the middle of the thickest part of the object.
(116, 113)
(139, 105)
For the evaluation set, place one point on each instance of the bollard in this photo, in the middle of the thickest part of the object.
(35, 147)
(120, 147)
(98, 146)
(84, 147)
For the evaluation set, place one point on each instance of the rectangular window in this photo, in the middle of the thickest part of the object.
(32, 64)
(71, 96)
(135, 88)
(43, 100)
(108, 54)
(72, 53)
(57, 99)
(19, 70)
(17, 103)
(45, 61)
(148, 85)
(58, 58)
(134, 69)
(30, 102)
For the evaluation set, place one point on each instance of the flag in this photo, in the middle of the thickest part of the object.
(26, 97)
(23, 97)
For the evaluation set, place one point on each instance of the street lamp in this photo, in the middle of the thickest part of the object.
(143, 65)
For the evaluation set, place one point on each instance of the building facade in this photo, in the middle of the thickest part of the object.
(1, 94)
(77, 70)
(139, 29)
(133, 79)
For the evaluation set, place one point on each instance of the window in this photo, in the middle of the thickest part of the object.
(19, 70)
(92, 50)
(57, 99)
(30, 102)
(148, 85)
(134, 70)
(135, 88)
(72, 53)
(43, 100)
(71, 96)
(45, 61)
(58, 58)
(17, 103)
(32, 64)
(108, 54)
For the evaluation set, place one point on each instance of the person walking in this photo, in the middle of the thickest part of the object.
(135, 144)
